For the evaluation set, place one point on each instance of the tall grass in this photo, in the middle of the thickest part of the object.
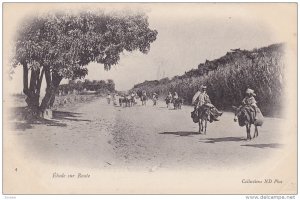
(228, 77)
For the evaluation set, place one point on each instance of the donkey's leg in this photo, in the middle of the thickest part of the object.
(200, 126)
(248, 132)
(205, 126)
(256, 131)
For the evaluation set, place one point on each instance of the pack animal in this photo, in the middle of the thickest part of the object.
(177, 103)
(245, 115)
(168, 101)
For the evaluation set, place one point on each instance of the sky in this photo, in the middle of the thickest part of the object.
(187, 35)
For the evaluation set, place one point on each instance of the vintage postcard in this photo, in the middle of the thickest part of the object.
(150, 98)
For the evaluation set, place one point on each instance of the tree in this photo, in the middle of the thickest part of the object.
(61, 45)
(110, 85)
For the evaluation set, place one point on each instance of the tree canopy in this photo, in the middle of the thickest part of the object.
(61, 45)
(68, 42)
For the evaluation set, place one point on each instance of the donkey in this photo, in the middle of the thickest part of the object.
(245, 115)
(144, 100)
(177, 103)
(204, 116)
(168, 101)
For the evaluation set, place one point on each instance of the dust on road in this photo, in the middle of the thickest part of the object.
(100, 135)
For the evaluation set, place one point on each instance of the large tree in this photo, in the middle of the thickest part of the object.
(61, 45)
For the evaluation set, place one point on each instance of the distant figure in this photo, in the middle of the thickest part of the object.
(128, 100)
(175, 96)
(121, 100)
(144, 93)
(144, 98)
(177, 101)
(168, 99)
(155, 98)
(132, 100)
(108, 98)
(115, 96)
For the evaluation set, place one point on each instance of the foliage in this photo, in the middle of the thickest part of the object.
(61, 45)
(80, 86)
(228, 77)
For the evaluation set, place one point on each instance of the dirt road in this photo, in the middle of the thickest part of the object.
(99, 135)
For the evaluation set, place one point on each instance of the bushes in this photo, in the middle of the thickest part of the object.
(228, 77)
(71, 99)
(79, 87)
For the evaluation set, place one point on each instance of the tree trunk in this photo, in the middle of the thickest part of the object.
(32, 98)
(50, 90)
(25, 78)
(53, 98)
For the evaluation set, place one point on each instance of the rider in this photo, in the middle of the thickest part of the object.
(108, 98)
(155, 97)
(169, 95)
(144, 93)
(133, 97)
(175, 96)
(143, 97)
(115, 99)
(249, 100)
(201, 98)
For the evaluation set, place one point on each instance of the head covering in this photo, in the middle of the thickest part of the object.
(250, 91)
(203, 87)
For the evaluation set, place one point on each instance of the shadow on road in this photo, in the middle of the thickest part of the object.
(181, 133)
(223, 139)
(67, 116)
(23, 120)
(262, 146)
(27, 124)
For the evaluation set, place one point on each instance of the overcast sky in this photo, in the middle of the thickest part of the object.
(182, 43)
(187, 36)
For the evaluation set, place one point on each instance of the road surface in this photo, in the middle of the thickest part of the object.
(147, 138)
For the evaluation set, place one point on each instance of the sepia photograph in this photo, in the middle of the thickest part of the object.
(149, 98)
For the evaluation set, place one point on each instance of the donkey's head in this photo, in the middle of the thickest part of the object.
(238, 112)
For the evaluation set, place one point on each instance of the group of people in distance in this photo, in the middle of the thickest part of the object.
(175, 96)
(200, 101)
(155, 97)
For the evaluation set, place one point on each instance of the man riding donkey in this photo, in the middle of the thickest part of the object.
(201, 102)
(175, 97)
(249, 100)
(143, 97)
(169, 99)
(249, 114)
(154, 98)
